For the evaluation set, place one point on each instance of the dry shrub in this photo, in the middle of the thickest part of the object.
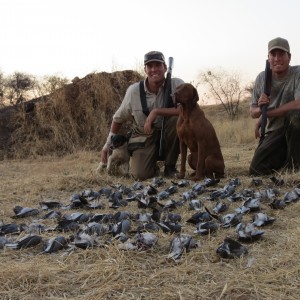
(73, 118)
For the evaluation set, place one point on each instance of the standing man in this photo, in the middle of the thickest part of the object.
(280, 147)
(143, 106)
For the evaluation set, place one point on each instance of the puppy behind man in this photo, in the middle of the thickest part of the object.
(196, 133)
(118, 157)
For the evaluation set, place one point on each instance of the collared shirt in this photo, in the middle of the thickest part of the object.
(131, 107)
(282, 91)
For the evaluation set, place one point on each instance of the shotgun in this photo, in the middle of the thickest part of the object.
(267, 91)
(167, 95)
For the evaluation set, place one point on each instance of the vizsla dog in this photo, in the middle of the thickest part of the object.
(197, 133)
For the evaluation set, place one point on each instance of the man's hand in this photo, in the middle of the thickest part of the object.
(257, 130)
(255, 111)
(105, 149)
(263, 99)
(104, 154)
(149, 121)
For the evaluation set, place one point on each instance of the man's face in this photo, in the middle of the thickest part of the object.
(279, 61)
(155, 71)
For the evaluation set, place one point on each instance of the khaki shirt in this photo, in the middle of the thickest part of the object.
(131, 107)
(282, 91)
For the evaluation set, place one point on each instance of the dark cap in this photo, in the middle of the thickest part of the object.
(279, 43)
(154, 56)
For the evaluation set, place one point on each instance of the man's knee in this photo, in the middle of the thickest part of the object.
(143, 164)
(294, 119)
(142, 173)
(258, 170)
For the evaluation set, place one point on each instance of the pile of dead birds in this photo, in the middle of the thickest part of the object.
(211, 209)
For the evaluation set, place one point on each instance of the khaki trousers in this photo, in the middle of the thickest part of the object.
(143, 161)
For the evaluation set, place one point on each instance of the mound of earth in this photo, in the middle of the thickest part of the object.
(75, 117)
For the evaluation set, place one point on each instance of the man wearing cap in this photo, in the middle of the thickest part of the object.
(146, 118)
(280, 147)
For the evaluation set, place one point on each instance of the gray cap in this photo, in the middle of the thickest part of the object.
(279, 43)
(154, 56)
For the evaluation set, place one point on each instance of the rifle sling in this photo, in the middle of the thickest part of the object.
(143, 99)
(144, 102)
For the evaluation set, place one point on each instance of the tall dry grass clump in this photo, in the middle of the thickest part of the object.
(236, 132)
(230, 132)
(76, 117)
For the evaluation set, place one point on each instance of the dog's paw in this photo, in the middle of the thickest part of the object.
(101, 167)
(127, 176)
(180, 175)
(197, 178)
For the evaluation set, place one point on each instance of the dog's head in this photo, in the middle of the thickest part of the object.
(118, 141)
(186, 94)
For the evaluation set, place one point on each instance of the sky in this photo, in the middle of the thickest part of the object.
(76, 37)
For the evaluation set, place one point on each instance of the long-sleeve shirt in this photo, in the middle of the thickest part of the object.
(131, 107)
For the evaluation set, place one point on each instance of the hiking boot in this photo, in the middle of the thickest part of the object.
(170, 171)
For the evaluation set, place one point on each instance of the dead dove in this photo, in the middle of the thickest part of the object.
(207, 227)
(50, 204)
(97, 228)
(11, 228)
(179, 244)
(3, 242)
(248, 233)
(262, 219)
(84, 241)
(145, 240)
(55, 244)
(25, 242)
(23, 212)
(231, 249)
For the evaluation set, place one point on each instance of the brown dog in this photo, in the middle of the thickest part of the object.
(197, 133)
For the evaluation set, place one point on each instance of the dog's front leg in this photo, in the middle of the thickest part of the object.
(126, 169)
(109, 164)
(200, 164)
(183, 152)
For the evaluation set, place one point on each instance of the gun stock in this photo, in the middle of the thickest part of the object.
(167, 94)
(267, 91)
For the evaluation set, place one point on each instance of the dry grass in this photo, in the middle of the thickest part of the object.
(269, 271)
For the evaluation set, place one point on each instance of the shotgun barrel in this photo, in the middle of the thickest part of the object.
(267, 91)
(167, 95)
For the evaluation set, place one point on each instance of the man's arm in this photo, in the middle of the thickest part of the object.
(284, 109)
(114, 129)
(255, 111)
(257, 128)
(165, 112)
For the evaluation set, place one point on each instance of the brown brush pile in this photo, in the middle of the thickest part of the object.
(76, 117)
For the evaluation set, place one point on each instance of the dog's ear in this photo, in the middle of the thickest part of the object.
(123, 139)
(195, 96)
